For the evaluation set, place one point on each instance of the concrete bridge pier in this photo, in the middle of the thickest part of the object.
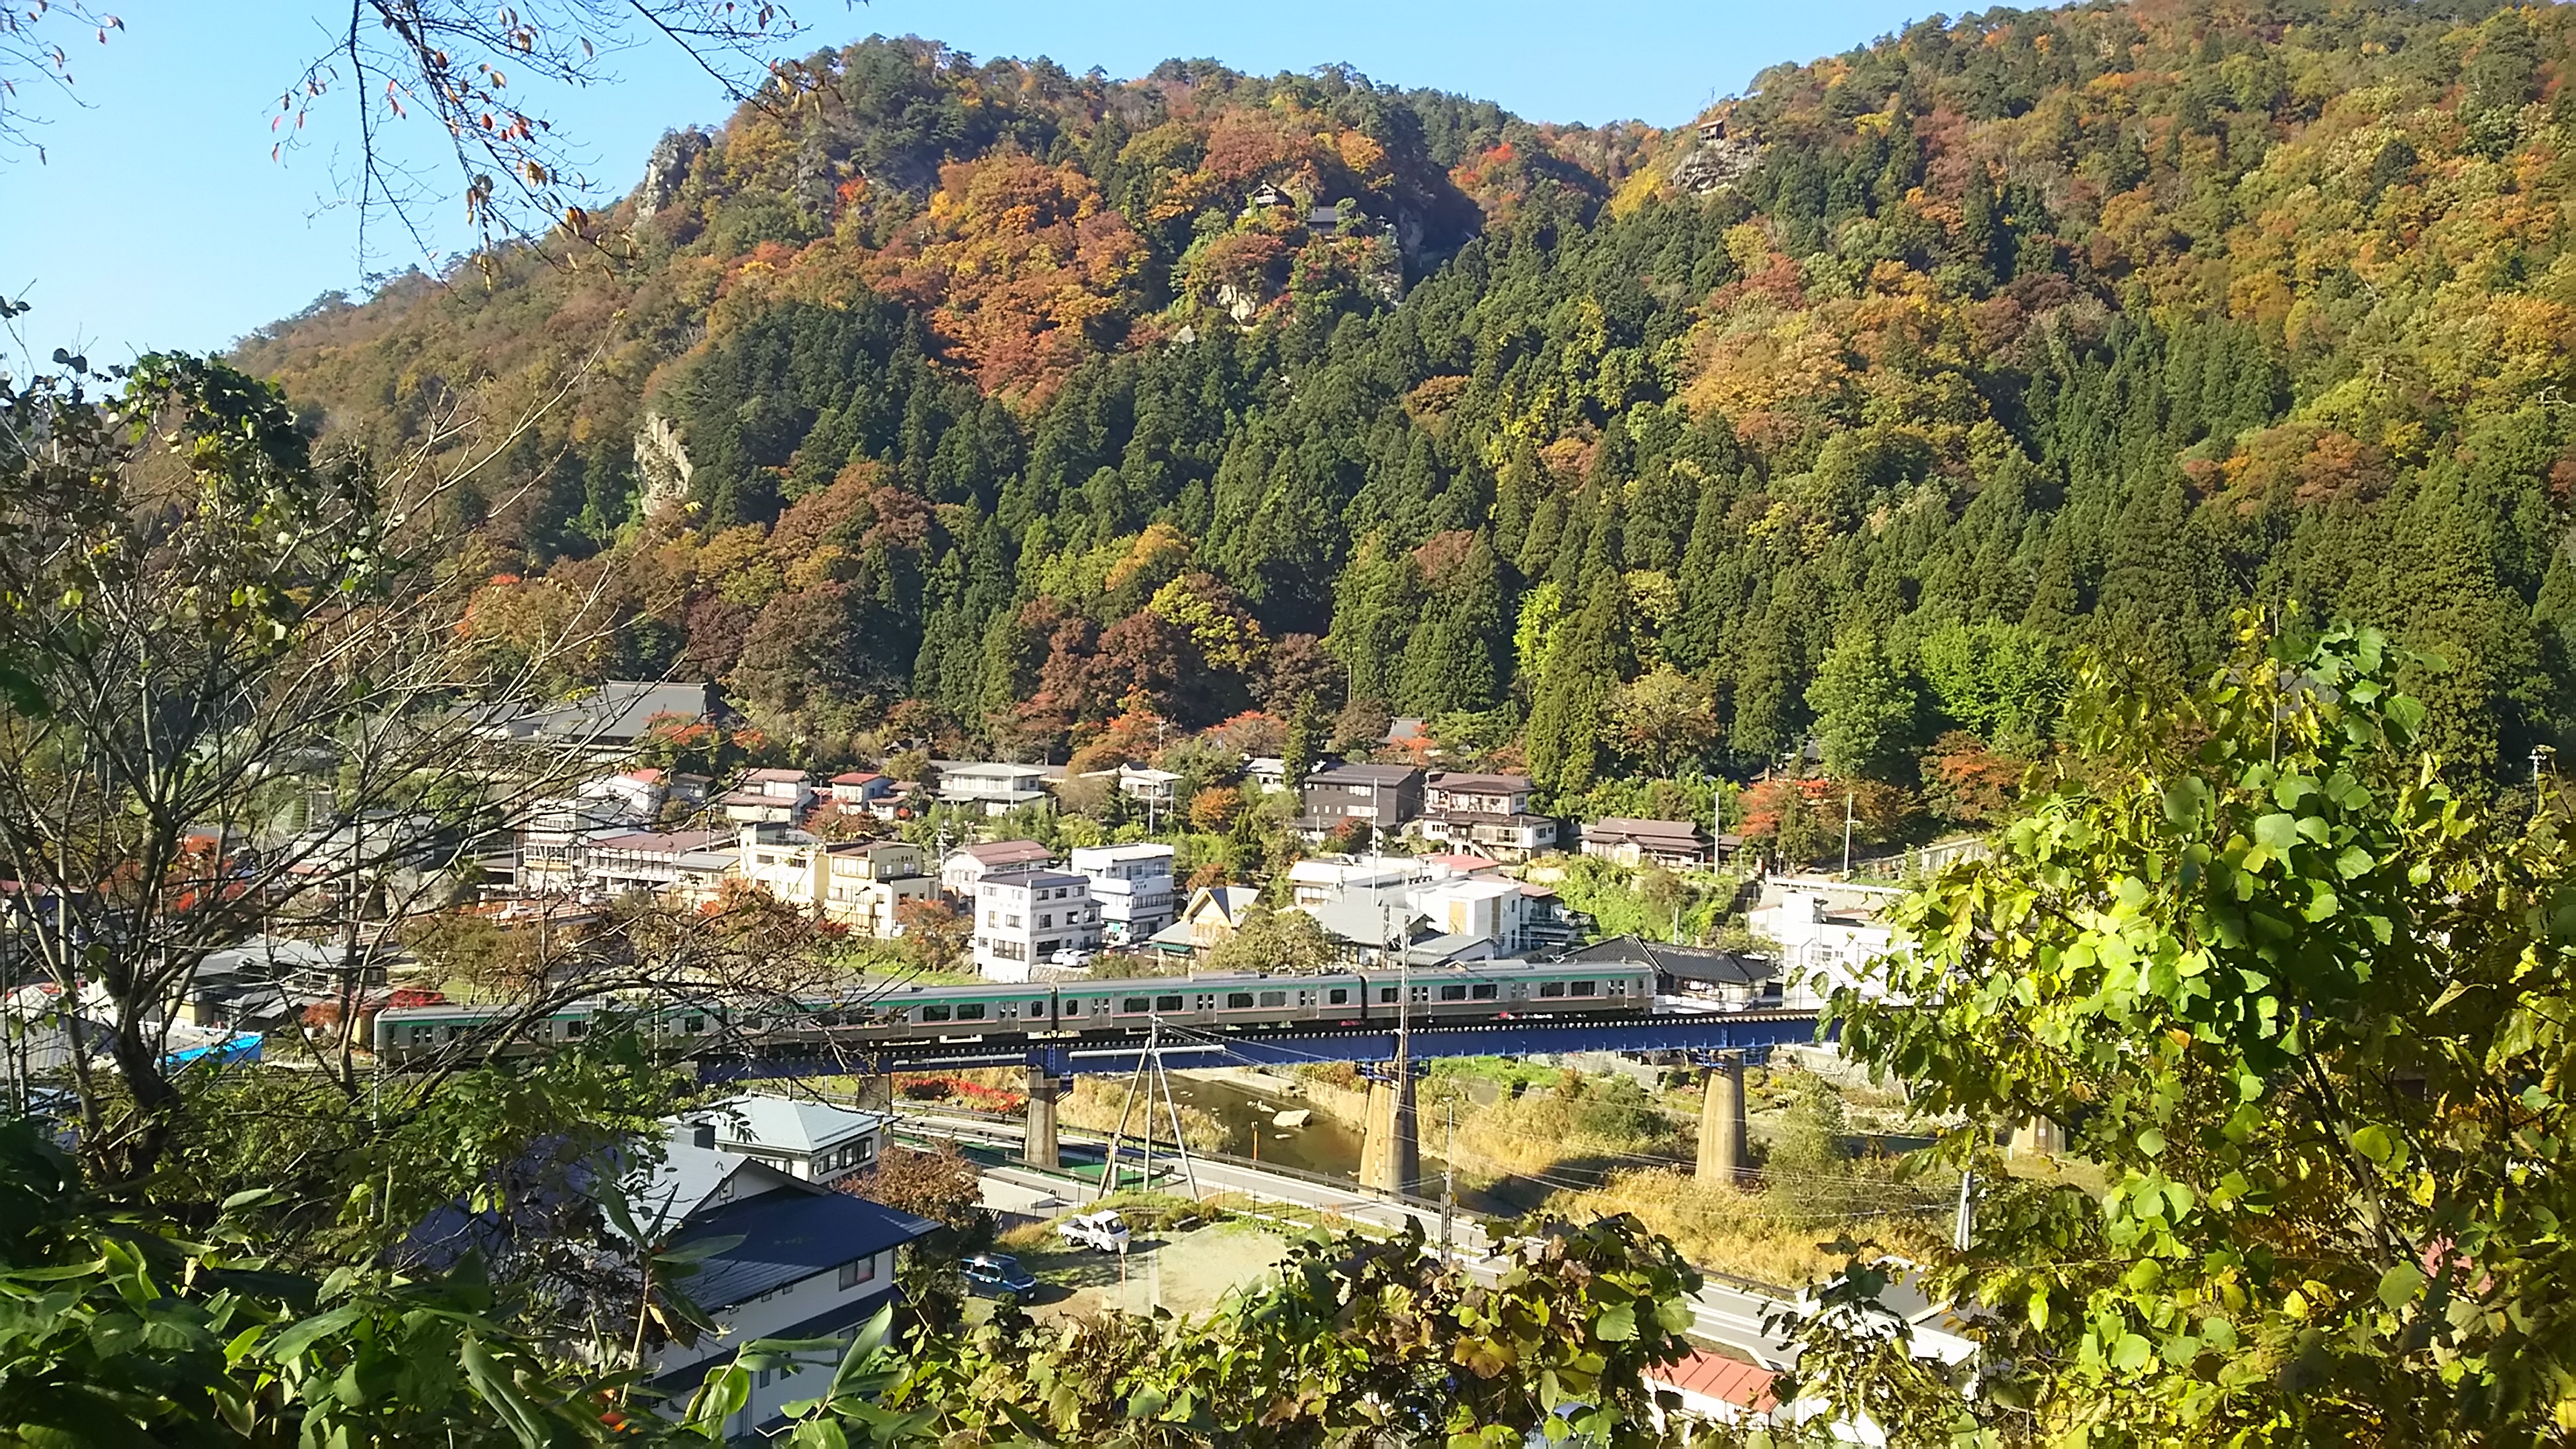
(1038, 1148)
(1721, 1122)
(1390, 1142)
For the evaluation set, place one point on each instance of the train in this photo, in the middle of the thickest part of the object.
(1072, 1009)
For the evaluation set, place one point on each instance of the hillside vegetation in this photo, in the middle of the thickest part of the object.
(1008, 406)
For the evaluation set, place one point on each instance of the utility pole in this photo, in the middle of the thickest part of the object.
(1448, 1177)
(1959, 1230)
(1847, 829)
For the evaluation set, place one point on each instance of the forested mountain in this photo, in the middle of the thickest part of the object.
(1855, 407)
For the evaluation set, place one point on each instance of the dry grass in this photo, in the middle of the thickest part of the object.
(1769, 1235)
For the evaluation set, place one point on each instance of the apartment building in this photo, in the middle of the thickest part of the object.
(1132, 885)
(1029, 918)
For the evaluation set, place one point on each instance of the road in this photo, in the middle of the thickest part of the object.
(1723, 1313)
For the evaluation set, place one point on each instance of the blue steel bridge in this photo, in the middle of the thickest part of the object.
(1390, 1155)
(1751, 1033)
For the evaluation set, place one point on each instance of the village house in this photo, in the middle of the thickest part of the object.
(1209, 920)
(969, 866)
(808, 1140)
(994, 789)
(769, 797)
(1384, 797)
(1675, 844)
(1485, 814)
(778, 1257)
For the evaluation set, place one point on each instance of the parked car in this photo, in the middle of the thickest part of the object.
(1070, 956)
(1103, 1231)
(998, 1273)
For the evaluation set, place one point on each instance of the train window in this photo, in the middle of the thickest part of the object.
(751, 1023)
(1306, 998)
(1167, 1003)
(573, 1030)
(934, 1013)
(1420, 993)
(1238, 1001)
(1138, 1003)
(1386, 996)
(1619, 986)
(1453, 993)
(422, 1035)
(693, 1024)
(1551, 988)
(1341, 996)
(1482, 991)
(1073, 1006)
(1038, 1007)
(1207, 1001)
(1586, 988)
(1274, 998)
(971, 1011)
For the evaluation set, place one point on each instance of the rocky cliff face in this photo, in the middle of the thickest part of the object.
(666, 169)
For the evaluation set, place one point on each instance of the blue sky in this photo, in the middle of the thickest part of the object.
(159, 221)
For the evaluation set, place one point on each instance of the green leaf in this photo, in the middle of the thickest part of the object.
(2039, 1310)
(2276, 832)
(1617, 1324)
(2151, 1142)
(2399, 1285)
(819, 1434)
(2131, 1353)
(2354, 862)
(2374, 1142)
(291, 1344)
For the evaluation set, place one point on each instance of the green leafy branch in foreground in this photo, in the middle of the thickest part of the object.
(2308, 1011)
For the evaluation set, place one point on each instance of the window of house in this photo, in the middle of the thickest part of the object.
(863, 1270)
(1274, 998)
(1453, 993)
(1238, 1001)
(1047, 919)
(1551, 988)
(1586, 988)
(1483, 991)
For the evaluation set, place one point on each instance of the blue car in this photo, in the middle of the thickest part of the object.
(996, 1274)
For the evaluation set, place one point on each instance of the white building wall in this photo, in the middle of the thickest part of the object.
(767, 1316)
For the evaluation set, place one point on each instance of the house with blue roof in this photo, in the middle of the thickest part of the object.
(811, 1262)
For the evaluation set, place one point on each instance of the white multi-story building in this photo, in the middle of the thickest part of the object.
(1827, 931)
(798, 1260)
(1024, 920)
(1133, 886)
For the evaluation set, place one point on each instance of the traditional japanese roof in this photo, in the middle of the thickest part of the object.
(789, 1236)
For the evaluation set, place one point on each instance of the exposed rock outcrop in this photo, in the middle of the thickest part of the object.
(1716, 163)
(666, 169)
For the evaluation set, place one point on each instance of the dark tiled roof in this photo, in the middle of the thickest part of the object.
(789, 1235)
(1685, 963)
